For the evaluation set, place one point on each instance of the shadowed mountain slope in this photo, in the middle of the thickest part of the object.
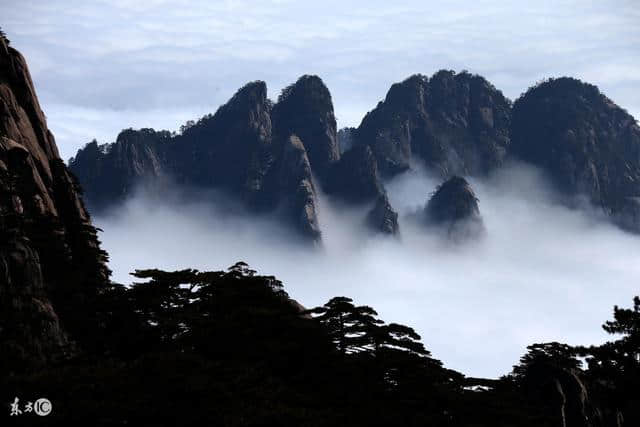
(51, 263)
(452, 123)
(588, 145)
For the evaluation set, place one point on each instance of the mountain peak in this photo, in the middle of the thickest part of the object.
(587, 144)
(305, 109)
(454, 123)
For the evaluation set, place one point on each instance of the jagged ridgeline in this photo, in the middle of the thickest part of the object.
(277, 157)
(267, 155)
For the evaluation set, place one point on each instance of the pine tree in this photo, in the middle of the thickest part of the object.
(546, 357)
(343, 322)
(627, 323)
(3, 36)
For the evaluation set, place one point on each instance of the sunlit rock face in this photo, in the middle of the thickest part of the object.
(587, 144)
(454, 209)
(50, 258)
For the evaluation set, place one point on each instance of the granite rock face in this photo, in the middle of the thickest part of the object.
(454, 123)
(50, 257)
(249, 149)
(296, 183)
(383, 218)
(345, 138)
(355, 179)
(305, 109)
(587, 144)
(266, 155)
(454, 208)
(135, 158)
(564, 397)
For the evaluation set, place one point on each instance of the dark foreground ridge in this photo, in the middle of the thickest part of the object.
(230, 347)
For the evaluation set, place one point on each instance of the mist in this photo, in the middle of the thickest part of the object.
(543, 272)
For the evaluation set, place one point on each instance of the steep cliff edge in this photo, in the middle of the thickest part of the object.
(305, 109)
(112, 170)
(50, 258)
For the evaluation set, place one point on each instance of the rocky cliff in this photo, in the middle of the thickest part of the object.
(454, 123)
(134, 158)
(50, 258)
(266, 155)
(588, 145)
(305, 109)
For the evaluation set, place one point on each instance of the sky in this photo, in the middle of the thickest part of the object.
(102, 66)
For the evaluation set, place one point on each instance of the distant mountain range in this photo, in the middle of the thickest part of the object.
(277, 156)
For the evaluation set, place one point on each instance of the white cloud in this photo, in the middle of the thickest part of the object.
(543, 273)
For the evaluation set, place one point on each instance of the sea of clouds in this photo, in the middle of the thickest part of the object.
(543, 272)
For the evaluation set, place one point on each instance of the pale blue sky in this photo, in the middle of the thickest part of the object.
(101, 66)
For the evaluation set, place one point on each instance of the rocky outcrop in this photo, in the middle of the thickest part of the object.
(454, 123)
(225, 150)
(112, 170)
(355, 179)
(50, 258)
(239, 151)
(346, 138)
(587, 144)
(454, 207)
(562, 396)
(296, 185)
(383, 218)
(305, 109)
